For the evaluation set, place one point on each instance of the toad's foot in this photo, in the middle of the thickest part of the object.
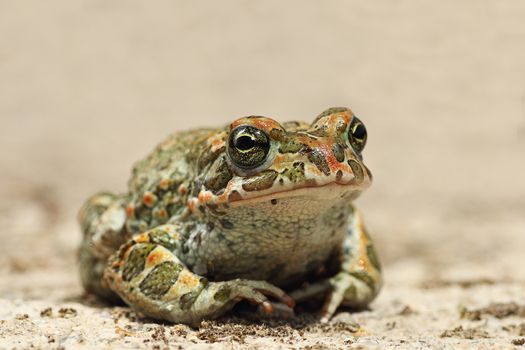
(256, 292)
(346, 288)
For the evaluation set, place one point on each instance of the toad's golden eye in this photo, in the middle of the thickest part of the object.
(248, 147)
(357, 135)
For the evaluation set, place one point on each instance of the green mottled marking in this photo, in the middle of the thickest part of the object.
(163, 238)
(320, 162)
(291, 145)
(219, 175)
(329, 111)
(372, 256)
(261, 181)
(356, 169)
(319, 132)
(295, 173)
(187, 300)
(136, 260)
(207, 156)
(365, 277)
(339, 152)
(223, 294)
(277, 134)
(160, 279)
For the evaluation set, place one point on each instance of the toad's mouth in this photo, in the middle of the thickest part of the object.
(271, 185)
(310, 182)
(309, 191)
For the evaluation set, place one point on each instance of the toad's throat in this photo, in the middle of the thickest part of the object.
(276, 237)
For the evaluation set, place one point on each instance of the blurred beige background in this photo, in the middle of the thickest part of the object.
(89, 87)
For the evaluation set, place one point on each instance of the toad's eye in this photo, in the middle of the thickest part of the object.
(357, 135)
(248, 147)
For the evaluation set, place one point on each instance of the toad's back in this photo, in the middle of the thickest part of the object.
(161, 182)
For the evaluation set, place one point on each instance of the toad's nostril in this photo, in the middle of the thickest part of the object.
(338, 176)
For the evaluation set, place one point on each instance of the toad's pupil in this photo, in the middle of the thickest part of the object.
(244, 143)
(359, 132)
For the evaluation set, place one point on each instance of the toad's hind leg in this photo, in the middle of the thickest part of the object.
(147, 273)
(102, 220)
(359, 280)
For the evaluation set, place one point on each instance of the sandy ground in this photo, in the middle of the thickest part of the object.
(88, 87)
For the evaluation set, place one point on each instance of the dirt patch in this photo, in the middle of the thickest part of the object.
(460, 283)
(284, 331)
(468, 333)
(518, 342)
(67, 312)
(498, 310)
(518, 329)
(47, 312)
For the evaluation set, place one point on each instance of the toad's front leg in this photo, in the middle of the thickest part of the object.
(359, 278)
(150, 278)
